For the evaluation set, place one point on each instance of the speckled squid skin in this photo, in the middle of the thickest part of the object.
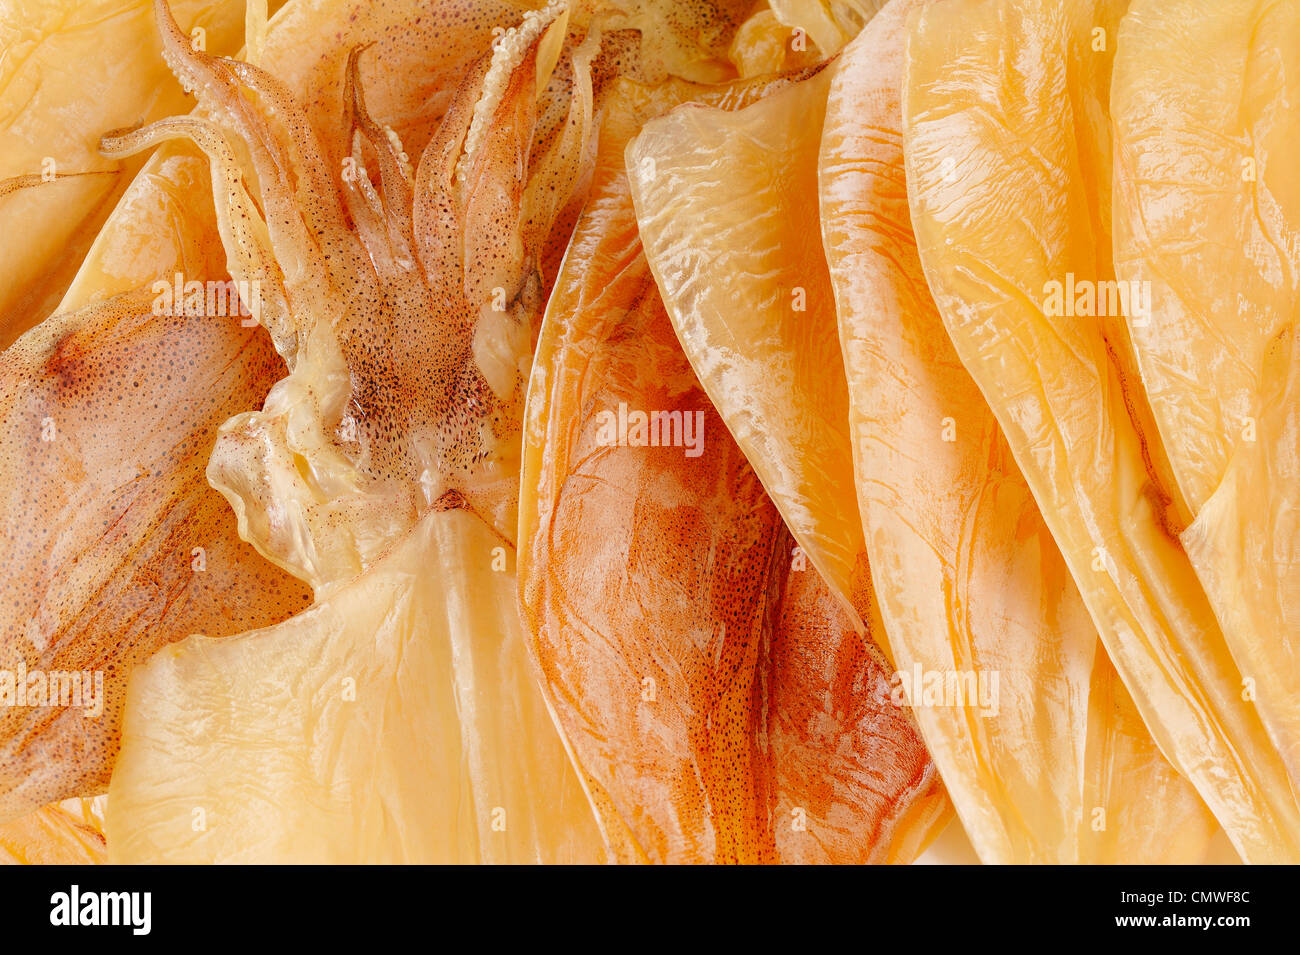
(716, 695)
(99, 541)
(954, 535)
(107, 417)
(1008, 193)
(399, 297)
(404, 296)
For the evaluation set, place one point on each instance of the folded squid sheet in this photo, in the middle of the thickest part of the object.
(1208, 215)
(1054, 765)
(727, 208)
(1008, 159)
(717, 697)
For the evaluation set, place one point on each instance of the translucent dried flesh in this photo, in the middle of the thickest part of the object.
(715, 694)
(727, 208)
(67, 833)
(299, 744)
(1007, 178)
(1207, 212)
(174, 563)
(1059, 768)
(765, 45)
(54, 53)
(416, 54)
(828, 23)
